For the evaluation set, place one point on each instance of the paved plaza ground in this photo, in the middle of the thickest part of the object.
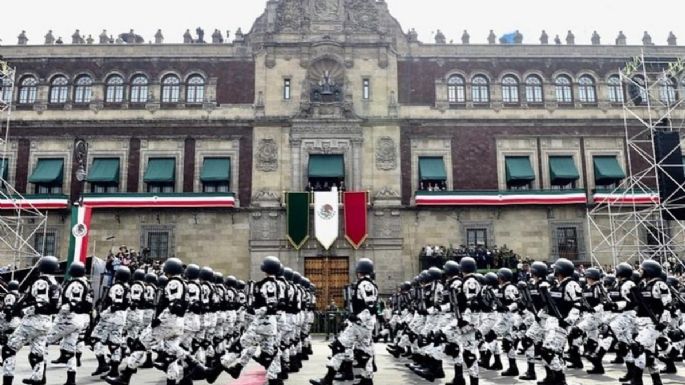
(390, 372)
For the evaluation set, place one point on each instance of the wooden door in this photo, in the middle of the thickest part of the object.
(330, 275)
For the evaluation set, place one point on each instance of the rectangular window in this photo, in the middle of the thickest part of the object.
(566, 243)
(211, 187)
(45, 245)
(47, 189)
(158, 243)
(286, 89)
(477, 237)
(366, 89)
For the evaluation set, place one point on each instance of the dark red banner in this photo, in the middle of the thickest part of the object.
(354, 207)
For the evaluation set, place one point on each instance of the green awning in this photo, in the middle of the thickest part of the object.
(216, 170)
(326, 166)
(562, 170)
(160, 170)
(104, 170)
(432, 168)
(607, 170)
(48, 171)
(519, 170)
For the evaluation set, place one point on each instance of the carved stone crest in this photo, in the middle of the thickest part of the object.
(267, 155)
(326, 9)
(290, 16)
(386, 154)
(362, 15)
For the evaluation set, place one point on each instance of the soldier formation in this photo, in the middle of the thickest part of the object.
(197, 323)
(556, 317)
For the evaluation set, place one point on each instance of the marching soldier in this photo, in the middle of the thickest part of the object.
(507, 324)
(11, 314)
(593, 294)
(359, 329)
(73, 317)
(192, 320)
(535, 323)
(149, 309)
(623, 324)
(468, 297)
(38, 306)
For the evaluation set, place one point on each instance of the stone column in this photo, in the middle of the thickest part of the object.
(357, 164)
(296, 164)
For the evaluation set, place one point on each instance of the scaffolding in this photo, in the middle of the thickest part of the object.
(635, 221)
(20, 222)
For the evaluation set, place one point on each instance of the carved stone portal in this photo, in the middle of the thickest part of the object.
(267, 155)
(386, 154)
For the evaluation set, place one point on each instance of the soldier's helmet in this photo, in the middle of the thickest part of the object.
(218, 277)
(122, 275)
(192, 272)
(297, 278)
(162, 280)
(624, 270)
(305, 283)
(651, 268)
(207, 274)
(609, 280)
(173, 267)
(288, 274)
(673, 282)
(490, 279)
(13, 286)
(451, 268)
(230, 281)
(539, 269)
(424, 277)
(406, 286)
(151, 278)
(77, 269)
(48, 265)
(593, 273)
(468, 265)
(505, 274)
(563, 267)
(271, 265)
(139, 275)
(364, 266)
(240, 285)
(435, 274)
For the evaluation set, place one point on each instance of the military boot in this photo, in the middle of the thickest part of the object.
(529, 375)
(629, 374)
(497, 365)
(345, 373)
(102, 366)
(326, 380)
(513, 369)
(123, 379)
(62, 360)
(549, 377)
(71, 378)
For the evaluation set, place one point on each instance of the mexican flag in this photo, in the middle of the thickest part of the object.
(326, 217)
(78, 239)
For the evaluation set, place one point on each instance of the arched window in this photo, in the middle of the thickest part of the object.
(59, 88)
(510, 90)
(195, 89)
(114, 89)
(27, 90)
(171, 88)
(564, 91)
(638, 91)
(533, 89)
(456, 89)
(667, 92)
(615, 89)
(586, 89)
(5, 91)
(480, 90)
(139, 91)
(83, 89)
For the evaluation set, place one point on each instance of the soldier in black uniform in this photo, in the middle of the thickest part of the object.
(593, 293)
(38, 306)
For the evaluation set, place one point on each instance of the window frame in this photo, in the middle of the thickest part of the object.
(476, 231)
(587, 89)
(114, 91)
(139, 92)
(41, 245)
(366, 89)
(456, 89)
(534, 90)
(510, 90)
(668, 94)
(83, 92)
(170, 92)
(6, 91)
(58, 92)
(287, 83)
(615, 90)
(480, 90)
(28, 92)
(563, 91)
(195, 89)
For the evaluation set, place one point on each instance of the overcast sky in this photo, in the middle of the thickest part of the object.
(451, 16)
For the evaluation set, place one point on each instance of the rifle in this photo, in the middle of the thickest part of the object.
(637, 299)
(549, 302)
(678, 297)
(603, 293)
(526, 297)
(347, 296)
(454, 301)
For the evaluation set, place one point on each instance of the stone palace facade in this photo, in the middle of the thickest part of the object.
(517, 138)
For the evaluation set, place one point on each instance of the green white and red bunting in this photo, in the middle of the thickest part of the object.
(80, 232)
(499, 198)
(43, 202)
(326, 218)
(212, 200)
(625, 198)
